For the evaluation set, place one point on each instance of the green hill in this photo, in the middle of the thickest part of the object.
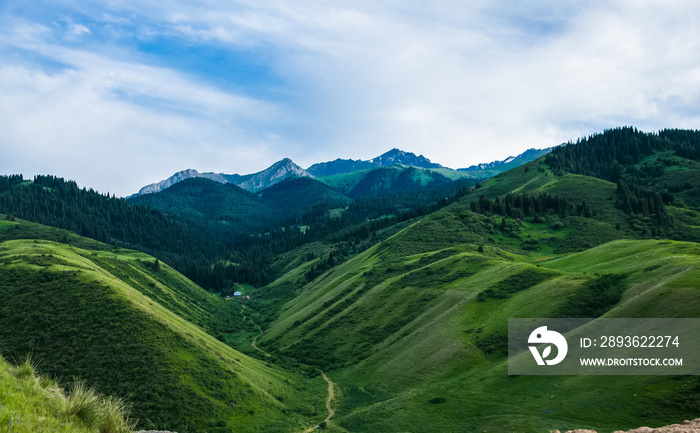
(408, 324)
(204, 198)
(391, 180)
(139, 330)
(414, 329)
(339, 167)
(297, 195)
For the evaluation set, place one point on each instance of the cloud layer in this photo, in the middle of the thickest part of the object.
(118, 94)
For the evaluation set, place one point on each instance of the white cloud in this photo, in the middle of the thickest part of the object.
(456, 81)
(116, 125)
(79, 29)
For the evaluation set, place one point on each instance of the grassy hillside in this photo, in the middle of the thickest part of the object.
(131, 329)
(414, 330)
(416, 340)
(32, 403)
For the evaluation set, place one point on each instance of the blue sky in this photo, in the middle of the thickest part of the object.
(121, 93)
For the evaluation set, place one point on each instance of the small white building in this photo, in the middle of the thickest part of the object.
(236, 293)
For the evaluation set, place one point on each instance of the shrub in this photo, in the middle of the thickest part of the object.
(114, 417)
(107, 415)
(437, 400)
(25, 370)
(82, 403)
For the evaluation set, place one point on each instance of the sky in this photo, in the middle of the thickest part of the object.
(117, 94)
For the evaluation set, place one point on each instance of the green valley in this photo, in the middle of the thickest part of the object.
(395, 283)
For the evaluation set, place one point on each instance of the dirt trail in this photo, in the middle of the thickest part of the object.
(329, 399)
(255, 340)
(255, 346)
(331, 396)
(331, 385)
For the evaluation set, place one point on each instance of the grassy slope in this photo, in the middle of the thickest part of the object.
(29, 404)
(400, 324)
(437, 352)
(108, 317)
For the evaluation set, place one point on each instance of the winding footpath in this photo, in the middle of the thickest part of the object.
(255, 340)
(331, 384)
(331, 396)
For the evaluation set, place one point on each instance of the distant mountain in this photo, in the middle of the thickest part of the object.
(394, 156)
(179, 177)
(277, 172)
(286, 169)
(397, 156)
(510, 162)
(396, 179)
(252, 182)
(201, 197)
(295, 195)
(339, 166)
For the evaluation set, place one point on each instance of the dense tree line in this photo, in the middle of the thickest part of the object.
(59, 203)
(616, 154)
(634, 199)
(7, 182)
(528, 205)
(613, 153)
(210, 253)
(604, 155)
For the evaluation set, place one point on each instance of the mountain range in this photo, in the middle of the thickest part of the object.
(286, 168)
(371, 300)
(277, 172)
(510, 162)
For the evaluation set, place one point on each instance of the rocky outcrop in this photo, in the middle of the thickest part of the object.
(398, 156)
(154, 431)
(685, 427)
(276, 173)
